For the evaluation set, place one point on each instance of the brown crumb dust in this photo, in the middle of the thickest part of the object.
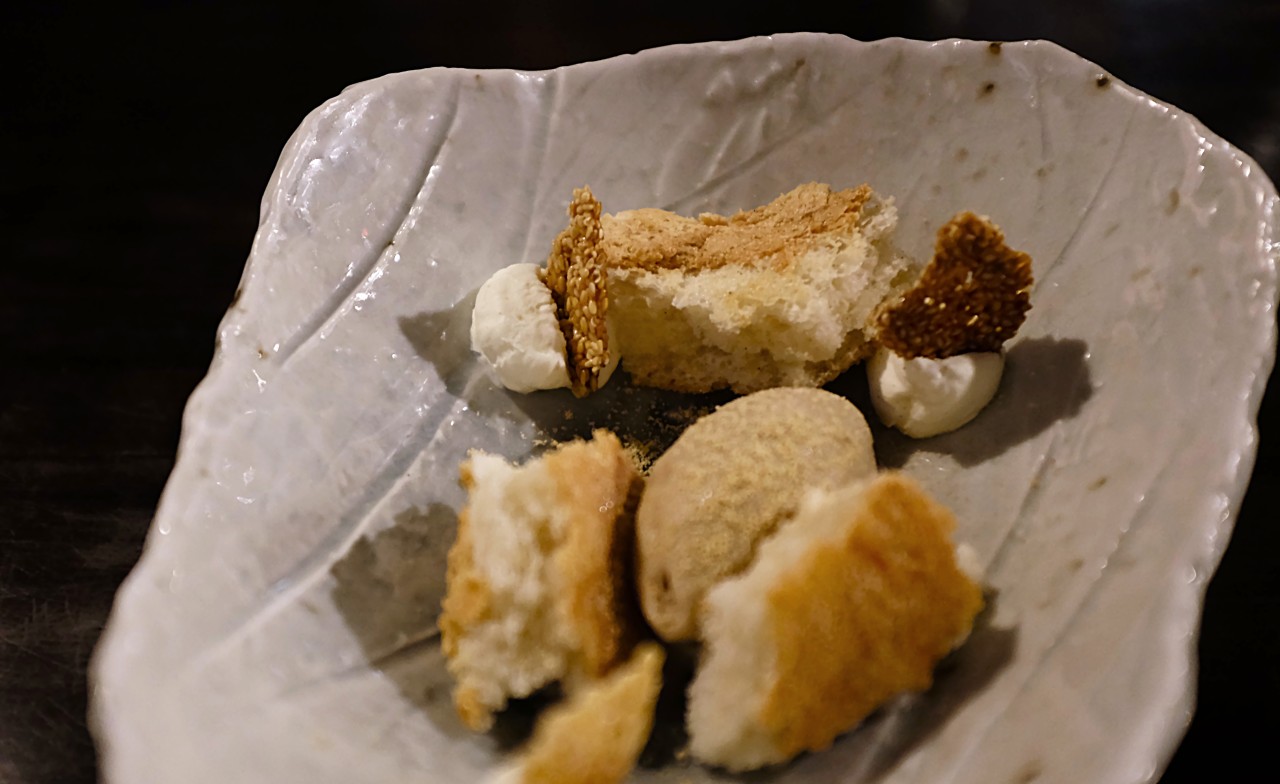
(575, 274)
(663, 429)
(771, 235)
(973, 296)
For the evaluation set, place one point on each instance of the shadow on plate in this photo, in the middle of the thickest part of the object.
(669, 734)
(443, 338)
(647, 420)
(913, 721)
(388, 588)
(1046, 380)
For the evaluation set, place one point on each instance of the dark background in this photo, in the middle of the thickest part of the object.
(136, 145)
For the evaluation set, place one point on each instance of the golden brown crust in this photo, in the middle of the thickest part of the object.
(467, 602)
(973, 296)
(861, 619)
(595, 484)
(475, 715)
(598, 735)
(770, 235)
(596, 481)
(575, 275)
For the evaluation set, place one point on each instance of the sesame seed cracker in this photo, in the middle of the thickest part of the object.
(973, 295)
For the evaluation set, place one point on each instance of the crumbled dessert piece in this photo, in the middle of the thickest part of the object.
(972, 296)
(850, 604)
(539, 580)
(596, 736)
(728, 482)
(575, 274)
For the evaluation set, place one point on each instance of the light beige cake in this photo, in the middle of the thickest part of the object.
(539, 581)
(850, 604)
(727, 483)
(780, 295)
(596, 736)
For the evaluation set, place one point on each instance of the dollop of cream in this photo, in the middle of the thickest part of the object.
(928, 397)
(514, 328)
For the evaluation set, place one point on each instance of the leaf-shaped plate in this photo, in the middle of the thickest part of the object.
(279, 627)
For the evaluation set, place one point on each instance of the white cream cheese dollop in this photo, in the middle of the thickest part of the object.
(514, 328)
(927, 397)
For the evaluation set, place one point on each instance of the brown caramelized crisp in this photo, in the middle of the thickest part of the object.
(575, 274)
(973, 296)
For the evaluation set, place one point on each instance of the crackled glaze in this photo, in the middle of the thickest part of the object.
(279, 627)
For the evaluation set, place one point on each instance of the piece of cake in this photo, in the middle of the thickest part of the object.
(595, 736)
(539, 580)
(851, 603)
(780, 295)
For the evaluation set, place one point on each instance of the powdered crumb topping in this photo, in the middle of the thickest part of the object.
(771, 234)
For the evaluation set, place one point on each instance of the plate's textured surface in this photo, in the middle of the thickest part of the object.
(278, 627)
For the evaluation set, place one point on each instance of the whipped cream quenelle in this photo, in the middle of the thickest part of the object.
(927, 397)
(514, 328)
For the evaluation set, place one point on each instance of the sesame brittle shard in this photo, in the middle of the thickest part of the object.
(972, 297)
(576, 277)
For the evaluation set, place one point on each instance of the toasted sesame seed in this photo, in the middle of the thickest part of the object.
(575, 275)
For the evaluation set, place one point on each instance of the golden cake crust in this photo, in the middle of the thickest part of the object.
(598, 735)
(595, 484)
(896, 604)
(598, 483)
(467, 603)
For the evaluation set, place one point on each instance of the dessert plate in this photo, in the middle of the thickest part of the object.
(280, 624)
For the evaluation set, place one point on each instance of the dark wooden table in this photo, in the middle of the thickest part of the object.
(137, 143)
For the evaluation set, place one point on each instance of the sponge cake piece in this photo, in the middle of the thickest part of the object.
(539, 578)
(596, 736)
(781, 295)
(850, 604)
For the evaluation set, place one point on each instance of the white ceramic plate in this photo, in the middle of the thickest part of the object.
(279, 625)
